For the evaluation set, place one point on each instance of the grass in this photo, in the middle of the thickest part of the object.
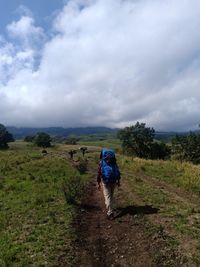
(38, 197)
(111, 143)
(177, 213)
(35, 218)
(184, 175)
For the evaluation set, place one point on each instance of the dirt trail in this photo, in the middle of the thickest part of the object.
(133, 238)
(176, 193)
(121, 242)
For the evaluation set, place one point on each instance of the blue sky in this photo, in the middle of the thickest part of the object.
(100, 63)
(41, 9)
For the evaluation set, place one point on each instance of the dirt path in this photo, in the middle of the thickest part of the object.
(121, 242)
(134, 238)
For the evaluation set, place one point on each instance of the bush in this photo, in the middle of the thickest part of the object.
(72, 189)
(187, 147)
(29, 138)
(42, 140)
(136, 140)
(159, 151)
(81, 166)
(71, 141)
(5, 137)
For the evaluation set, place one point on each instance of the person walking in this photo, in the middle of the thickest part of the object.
(108, 176)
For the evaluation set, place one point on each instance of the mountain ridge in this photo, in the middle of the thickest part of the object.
(21, 132)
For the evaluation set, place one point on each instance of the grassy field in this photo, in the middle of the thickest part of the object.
(35, 217)
(37, 205)
(111, 143)
(174, 188)
(184, 175)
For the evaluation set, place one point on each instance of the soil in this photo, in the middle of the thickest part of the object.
(133, 238)
(118, 242)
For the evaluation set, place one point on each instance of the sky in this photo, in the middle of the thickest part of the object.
(76, 63)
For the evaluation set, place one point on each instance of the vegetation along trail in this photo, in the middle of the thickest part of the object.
(46, 219)
(101, 242)
(142, 233)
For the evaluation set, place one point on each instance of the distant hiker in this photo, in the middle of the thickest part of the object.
(71, 153)
(109, 177)
(83, 150)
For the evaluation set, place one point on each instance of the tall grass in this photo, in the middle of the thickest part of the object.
(185, 175)
(35, 217)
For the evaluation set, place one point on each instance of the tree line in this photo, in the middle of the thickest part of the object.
(41, 139)
(137, 140)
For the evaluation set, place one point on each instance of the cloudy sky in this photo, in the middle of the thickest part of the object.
(100, 63)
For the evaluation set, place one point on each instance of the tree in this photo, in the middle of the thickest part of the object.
(187, 147)
(159, 151)
(29, 138)
(5, 137)
(42, 139)
(71, 140)
(137, 140)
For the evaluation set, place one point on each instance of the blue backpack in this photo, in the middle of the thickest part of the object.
(109, 169)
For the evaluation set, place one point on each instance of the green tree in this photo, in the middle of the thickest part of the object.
(137, 140)
(186, 147)
(159, 151)
(5, 137)
(42, 139)
(29, 138)
(71, 140)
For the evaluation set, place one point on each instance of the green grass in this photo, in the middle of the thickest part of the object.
(111, 143)
(184, 175)
(182, 214)
(35, 218)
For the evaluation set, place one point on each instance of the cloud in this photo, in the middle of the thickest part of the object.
(107, 63)
(25, 31)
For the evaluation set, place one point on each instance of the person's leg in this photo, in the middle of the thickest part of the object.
(112, 188)
(108, 190)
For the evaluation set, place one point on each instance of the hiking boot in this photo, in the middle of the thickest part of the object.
(111, 217)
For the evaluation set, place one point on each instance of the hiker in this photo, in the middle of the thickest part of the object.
(109, 177)
(71, 153)
(83, 150)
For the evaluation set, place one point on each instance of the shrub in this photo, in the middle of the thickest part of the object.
(159, 151)
(81, 166)
(72, 189)
(187, 147)
(42, 140)
(5, 137)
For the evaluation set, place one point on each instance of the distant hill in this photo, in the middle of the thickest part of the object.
(21, 132)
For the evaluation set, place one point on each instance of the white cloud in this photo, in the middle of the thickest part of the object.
(108, 63)
(25, 30)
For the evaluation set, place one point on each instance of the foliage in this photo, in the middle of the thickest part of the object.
(71, 140)
(5, 137)
(72, 189)
(81, 166)
(187, 147)
(29, 138)
(184, 175)
(35, 219)
(138, 140)
(172, 187)
(159, 150)
(42, 139)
